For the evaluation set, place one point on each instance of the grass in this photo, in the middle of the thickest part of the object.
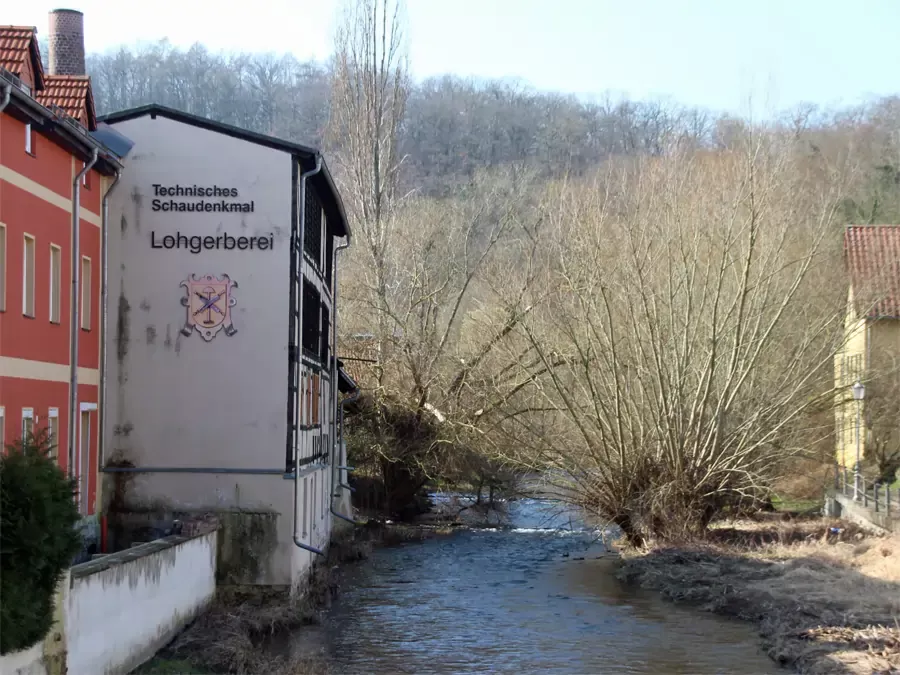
(825, 601)
(795, 505)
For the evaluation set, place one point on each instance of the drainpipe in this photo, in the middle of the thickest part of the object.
(300, 241)
(7, 89)
(74, 314)
(334, 388)
(104, 323)
(347, 400)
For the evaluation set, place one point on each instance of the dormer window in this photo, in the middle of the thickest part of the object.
(29, 141)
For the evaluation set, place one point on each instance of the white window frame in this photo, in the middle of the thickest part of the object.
(27, 414)
(85, 315)
(25, 276)
(29, 141)
(3, 242)
(56, 284)
(53, 414)
(82, 479)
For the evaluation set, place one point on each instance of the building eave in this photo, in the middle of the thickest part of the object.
(306, 155)
(66, 132)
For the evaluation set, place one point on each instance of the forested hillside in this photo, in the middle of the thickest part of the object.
(453, 126)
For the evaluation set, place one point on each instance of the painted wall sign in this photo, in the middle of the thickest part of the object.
(220, 242)
(209, 301)
(198, 205)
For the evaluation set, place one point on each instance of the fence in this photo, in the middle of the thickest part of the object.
(874, 495)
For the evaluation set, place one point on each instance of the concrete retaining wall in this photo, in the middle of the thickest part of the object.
(123, 607)
(842, 506)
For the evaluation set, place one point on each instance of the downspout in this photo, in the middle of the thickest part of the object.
(7, 90)
(104, 322)
(301, 243)
(74, 314)
(334, 389)
(349, 399)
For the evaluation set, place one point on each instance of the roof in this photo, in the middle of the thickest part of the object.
(346, 384)
(73, 94)
(60, 129)
(872, 255)
(18, 43)
(323, 182)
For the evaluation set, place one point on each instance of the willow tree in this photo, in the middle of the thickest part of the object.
(689, 341)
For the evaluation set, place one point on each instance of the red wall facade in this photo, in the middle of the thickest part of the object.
(28, 345)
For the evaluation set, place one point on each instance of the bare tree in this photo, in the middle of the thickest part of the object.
(688, 338)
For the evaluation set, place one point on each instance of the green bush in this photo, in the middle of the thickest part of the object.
(38, 539)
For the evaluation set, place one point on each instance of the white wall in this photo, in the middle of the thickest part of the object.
(183, 401)
(26, 662)
(180, 401)
(117, 618)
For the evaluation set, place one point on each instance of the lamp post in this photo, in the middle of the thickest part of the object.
(859, 393)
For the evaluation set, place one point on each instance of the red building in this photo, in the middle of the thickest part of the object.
(53, 174)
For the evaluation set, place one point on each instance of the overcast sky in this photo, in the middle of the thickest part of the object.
(711, 53)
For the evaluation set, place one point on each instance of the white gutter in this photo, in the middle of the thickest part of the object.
(74, 314)
(104, 306)
(301, 243)
(338, 413)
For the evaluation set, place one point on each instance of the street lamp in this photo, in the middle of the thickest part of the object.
(859, 393)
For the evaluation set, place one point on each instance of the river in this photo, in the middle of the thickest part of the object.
(539, 597)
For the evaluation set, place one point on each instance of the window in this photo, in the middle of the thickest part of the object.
(312, 228)
(305, 509)
(29, 141)
(312, 499)
(325, 345)
(28, 277)
(311, 328)
(27, 423)
(53, 431)
(2, 268)
(55, 282)
(85, 293)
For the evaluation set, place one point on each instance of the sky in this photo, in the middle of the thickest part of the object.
(736, 56)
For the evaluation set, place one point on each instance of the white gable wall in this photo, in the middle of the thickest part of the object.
(182, 401)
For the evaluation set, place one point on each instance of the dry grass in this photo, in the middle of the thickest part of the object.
(825, 602)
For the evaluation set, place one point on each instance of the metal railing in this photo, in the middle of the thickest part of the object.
(874, 495)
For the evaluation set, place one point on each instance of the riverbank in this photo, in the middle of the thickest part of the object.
(233, 635)
(825, 594)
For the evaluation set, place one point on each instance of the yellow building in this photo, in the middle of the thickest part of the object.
(871, 352)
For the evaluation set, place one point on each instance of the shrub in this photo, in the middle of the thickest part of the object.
(38, 539)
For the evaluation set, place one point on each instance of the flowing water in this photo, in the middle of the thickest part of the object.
(538, 598)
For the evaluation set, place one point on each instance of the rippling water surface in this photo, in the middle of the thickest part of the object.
(519, 601)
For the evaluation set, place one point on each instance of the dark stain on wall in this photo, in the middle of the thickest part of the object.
(151, 334)
(145, 305)
(138, 200)
(167, 343)
(123, 330)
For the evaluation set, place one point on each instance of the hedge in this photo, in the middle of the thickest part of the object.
(38, 539)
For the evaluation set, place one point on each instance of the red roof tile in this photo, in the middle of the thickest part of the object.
(17, 44)
(872, 254)
(73, 94)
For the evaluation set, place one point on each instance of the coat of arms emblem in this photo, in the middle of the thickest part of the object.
(209, 301)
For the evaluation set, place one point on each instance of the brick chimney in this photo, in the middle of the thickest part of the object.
(66, 38)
